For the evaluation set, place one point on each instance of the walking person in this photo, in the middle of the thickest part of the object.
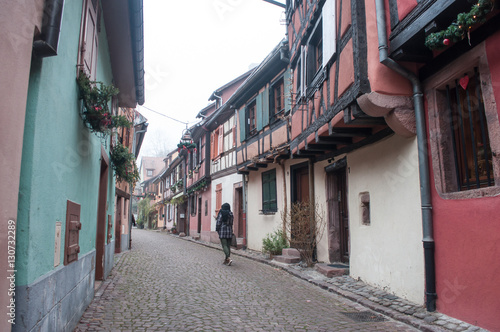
(224, 227)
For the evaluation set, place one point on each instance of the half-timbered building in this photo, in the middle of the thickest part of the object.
(226, 183)
(353, 145)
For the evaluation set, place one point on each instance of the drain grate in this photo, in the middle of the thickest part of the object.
(364, 316)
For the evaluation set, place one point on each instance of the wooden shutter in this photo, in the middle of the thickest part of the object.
(212, 146)
(287, 90)
(258, 111)
(265, 107)
(243, 124)
(329, 36)
(218, 198)
(72, 236)
(220, 142)
(90, 38)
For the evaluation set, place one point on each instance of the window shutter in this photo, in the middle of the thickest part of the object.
(258, 111)
(265, 107)
(220, 141)
(72, 236)
(234, 133)
(329, 35)
(243, 124)
(272, 107)
(90, 38)
(212, 145)
(287, 91)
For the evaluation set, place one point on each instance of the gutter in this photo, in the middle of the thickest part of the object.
(423, 158)
(48, 40)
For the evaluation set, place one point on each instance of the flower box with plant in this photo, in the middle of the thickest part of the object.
(96, 113)
(123, 163)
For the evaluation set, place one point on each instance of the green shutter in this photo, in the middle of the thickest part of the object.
(265, 107)
(287, 86)
(258, 111)
(243, 124)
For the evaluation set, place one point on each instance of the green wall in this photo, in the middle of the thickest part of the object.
(61, 157)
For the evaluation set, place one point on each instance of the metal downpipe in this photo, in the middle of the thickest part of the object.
(423, 158)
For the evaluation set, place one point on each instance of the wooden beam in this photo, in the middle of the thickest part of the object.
(261, 165)
(351, 132)
(333, 140)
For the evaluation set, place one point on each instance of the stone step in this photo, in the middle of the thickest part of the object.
(287, 259)
(291, 252)
(332, 270)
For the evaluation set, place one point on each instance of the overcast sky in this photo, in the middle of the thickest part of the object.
(194, 47)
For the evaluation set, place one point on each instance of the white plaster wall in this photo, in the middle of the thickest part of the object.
(388, 253)
(227, 193)
(259, 225)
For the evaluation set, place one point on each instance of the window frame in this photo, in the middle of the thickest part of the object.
(441, 146)
(249, 116)
(273, 113)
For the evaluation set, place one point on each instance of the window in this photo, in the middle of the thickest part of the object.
(149, 172)
(251, 118)
(462, 119)
(89, 38)
(269, 201)
(277, 99)
(314, 53)
(471, 144)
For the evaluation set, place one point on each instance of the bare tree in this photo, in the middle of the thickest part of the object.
(304, 226)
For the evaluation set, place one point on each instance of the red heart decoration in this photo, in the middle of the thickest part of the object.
(464, 81)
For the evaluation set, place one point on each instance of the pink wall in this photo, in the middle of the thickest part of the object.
(467, 235)
(17, 23)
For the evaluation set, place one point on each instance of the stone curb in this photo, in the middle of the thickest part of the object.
(411, 320)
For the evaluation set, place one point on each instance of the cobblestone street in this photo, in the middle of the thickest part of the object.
(168, 284)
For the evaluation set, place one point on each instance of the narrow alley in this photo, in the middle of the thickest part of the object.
(168, 284)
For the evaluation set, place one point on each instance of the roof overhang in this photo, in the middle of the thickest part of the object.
(124, 29)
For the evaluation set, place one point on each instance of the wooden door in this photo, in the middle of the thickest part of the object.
(101, 220)
(199, 215)
(338, 220)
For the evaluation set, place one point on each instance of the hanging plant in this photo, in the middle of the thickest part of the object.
(96, 114)
(461, 27)
(124, 164)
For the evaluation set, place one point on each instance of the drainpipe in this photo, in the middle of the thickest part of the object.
(423, 158)
(48, 40)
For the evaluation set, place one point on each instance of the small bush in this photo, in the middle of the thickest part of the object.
(274, 243)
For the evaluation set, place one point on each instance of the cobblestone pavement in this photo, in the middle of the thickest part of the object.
(166, 283)
(368, 296)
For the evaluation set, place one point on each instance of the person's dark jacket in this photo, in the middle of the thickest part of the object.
(224, 225)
